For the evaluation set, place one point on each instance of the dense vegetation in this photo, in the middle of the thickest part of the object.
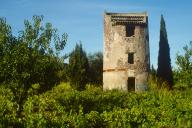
(65, 107)
(183, 73)
(37, 89)
(78, 68)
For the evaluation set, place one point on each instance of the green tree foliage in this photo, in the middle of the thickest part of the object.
(96, 68)
(183, 75)
(153, 73)
(92, 108)
(7, 43)
(164, 70)
(30, 58)
(78, 68)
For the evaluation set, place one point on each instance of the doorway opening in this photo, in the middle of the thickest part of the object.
(131, 83)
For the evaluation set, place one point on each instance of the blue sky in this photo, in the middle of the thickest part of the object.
(83, 19)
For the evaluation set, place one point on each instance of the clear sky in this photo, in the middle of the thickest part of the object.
(83, 19)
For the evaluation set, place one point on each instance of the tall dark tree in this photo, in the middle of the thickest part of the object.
(78, 68)
(164, 71)
(96, 68)
(153, 73)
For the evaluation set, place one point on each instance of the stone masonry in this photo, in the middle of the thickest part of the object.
(126, 51)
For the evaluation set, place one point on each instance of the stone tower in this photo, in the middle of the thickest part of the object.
(126, 51)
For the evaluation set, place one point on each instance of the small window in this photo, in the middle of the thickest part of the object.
(131, 58)
(131, 83)
(130, 30)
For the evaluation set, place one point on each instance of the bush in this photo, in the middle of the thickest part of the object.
(7, 108)
(183, 73)
(65, 107)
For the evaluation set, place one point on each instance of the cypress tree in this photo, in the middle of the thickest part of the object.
(78, 68)
(164, 71)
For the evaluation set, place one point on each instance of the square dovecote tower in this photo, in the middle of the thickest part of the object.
(126, 61)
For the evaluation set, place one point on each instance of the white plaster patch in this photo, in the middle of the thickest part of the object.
(131, 73)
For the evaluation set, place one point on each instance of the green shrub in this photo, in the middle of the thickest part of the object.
(65, 107)
(7, 108)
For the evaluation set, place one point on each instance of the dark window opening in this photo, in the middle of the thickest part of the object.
(130, 58)
(131, 83)
(130, 30)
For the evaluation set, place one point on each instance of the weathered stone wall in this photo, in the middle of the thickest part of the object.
(116, 68)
